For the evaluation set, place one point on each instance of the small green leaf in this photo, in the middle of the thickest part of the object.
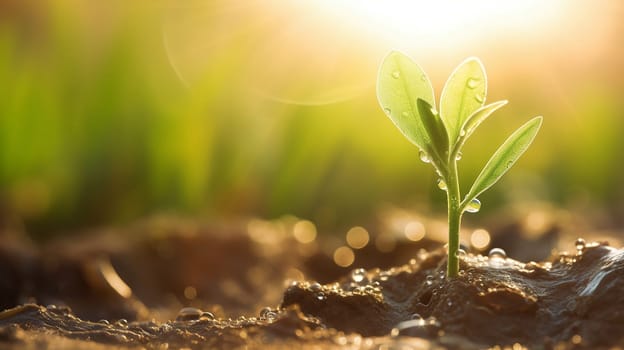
(435, 129)
(463, 93)
(504, 157)
(399, 84)
(474, 120)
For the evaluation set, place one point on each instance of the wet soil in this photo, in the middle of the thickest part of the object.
(170, 283)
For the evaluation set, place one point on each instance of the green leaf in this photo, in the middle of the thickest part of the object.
(435, 129)
(474, 120)
(504, 157)
(399, 84)
(463, 93)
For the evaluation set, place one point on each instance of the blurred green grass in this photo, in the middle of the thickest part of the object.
(96, 128)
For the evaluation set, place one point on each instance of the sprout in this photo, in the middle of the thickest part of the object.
(406, 96)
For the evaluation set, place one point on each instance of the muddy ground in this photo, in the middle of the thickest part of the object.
(168, 282)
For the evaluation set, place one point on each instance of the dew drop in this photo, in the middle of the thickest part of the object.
(429, 280)
(580, 244)
(423, 77)
(207, 315)
(268, 314)
(321, 296)
(387, 111)
(424, 156)
(358, 275)
(497, 253)
(479, 98)
(416, 317)
(460, 253)
(459, 155)
(474, 206)
(396, 74)
(462, 132)
(316, 287)
(442, 184)
(473, 83)
(122, 323)
(394, 332)
(189, 314)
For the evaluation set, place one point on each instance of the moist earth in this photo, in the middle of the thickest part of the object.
(224, 288)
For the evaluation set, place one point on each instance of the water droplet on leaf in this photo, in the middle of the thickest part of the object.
(396, 74)
(424, 156)
(387, 111)
(474, 206)
(479, 98)
(442, 184)
(462, 132)
(460, 253)
(458, 156)
(473, 83)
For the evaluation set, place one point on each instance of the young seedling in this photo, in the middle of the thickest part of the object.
(406, 96)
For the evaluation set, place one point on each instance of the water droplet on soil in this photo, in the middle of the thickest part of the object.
(316, 287)
(394, 332)
(358, 275)
(497, 253)
(580, 245)
(189, 314)
(442, 184)
(474, 206)
(424, 156)
(207, 316)
(429, 280)
(268, 314)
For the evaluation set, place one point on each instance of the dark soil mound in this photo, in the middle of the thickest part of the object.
(573, 301)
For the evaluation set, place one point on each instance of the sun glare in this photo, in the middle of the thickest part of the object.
(442, 23)
(324, 51)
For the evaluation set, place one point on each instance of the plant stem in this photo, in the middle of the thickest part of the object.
(454, 218)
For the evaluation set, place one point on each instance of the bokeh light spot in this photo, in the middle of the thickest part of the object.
(414, 231)
(344, 256)
(480, 239)
(304, 231)
(357, 237)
